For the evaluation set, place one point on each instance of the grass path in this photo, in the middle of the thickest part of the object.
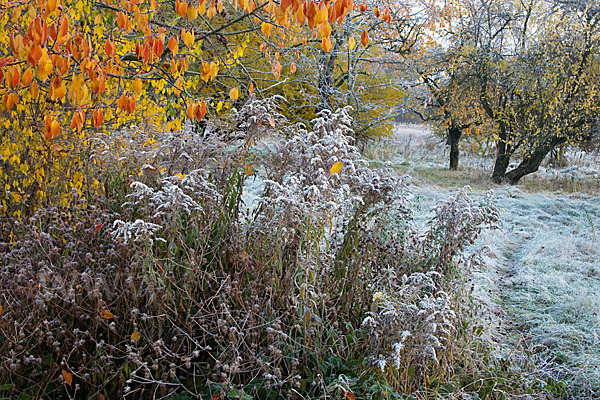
(542, 274)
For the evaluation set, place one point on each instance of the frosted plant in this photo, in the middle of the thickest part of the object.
(257, 118)
(411, 324)
(177, 194)
(299, 182)
(459, 220)
(137, 231)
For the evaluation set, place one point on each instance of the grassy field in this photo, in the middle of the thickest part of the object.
(541, 278)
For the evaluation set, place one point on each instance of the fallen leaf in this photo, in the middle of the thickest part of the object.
(335, 168)
(135, 336)
(106, 314)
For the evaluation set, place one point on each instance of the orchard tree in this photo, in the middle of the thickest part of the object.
(533, 68)
(437, 79)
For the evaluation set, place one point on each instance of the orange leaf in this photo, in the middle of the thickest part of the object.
(191, 110)
(97, 118)
(293, 68)
(173, 45)
(34, 90)
(1, 309)
(181, 8)
(131, 105)
(122, 20)
(110, 48)
(68, 377)
(35, 54)
(16, 76)
(335, 168)
(349, 396)
(250, 169)
(200, 110)
(64, 26)
(106, 314)
(52, 128)
(364, 38)
(27, 77)
(135, 336)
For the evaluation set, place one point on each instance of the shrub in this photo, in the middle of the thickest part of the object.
(164, 287)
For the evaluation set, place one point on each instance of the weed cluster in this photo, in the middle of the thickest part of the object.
(165, 287)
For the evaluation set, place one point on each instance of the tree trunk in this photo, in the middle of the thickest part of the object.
(326, 77)
(532, 161)
(500, 167)
(454, 134)
(502, 157)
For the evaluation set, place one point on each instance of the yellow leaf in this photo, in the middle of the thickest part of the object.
(137, 85)
(335, 168)
(192, 13)
(135, 336)
(326, 44)
(234, 94)
(219, 106)
(351, 43)
(68, 377)
(265, 28)
(106, 314)
(325, 30)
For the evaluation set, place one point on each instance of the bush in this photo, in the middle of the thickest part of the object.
(174, 284)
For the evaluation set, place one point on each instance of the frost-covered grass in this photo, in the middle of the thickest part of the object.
(541, 278)
(414, 150)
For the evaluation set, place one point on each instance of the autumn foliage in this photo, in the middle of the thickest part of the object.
(68, 68)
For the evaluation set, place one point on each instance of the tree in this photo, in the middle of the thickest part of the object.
(71, 68)
(532, 66)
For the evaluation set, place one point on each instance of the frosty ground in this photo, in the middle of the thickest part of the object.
(541, 278)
